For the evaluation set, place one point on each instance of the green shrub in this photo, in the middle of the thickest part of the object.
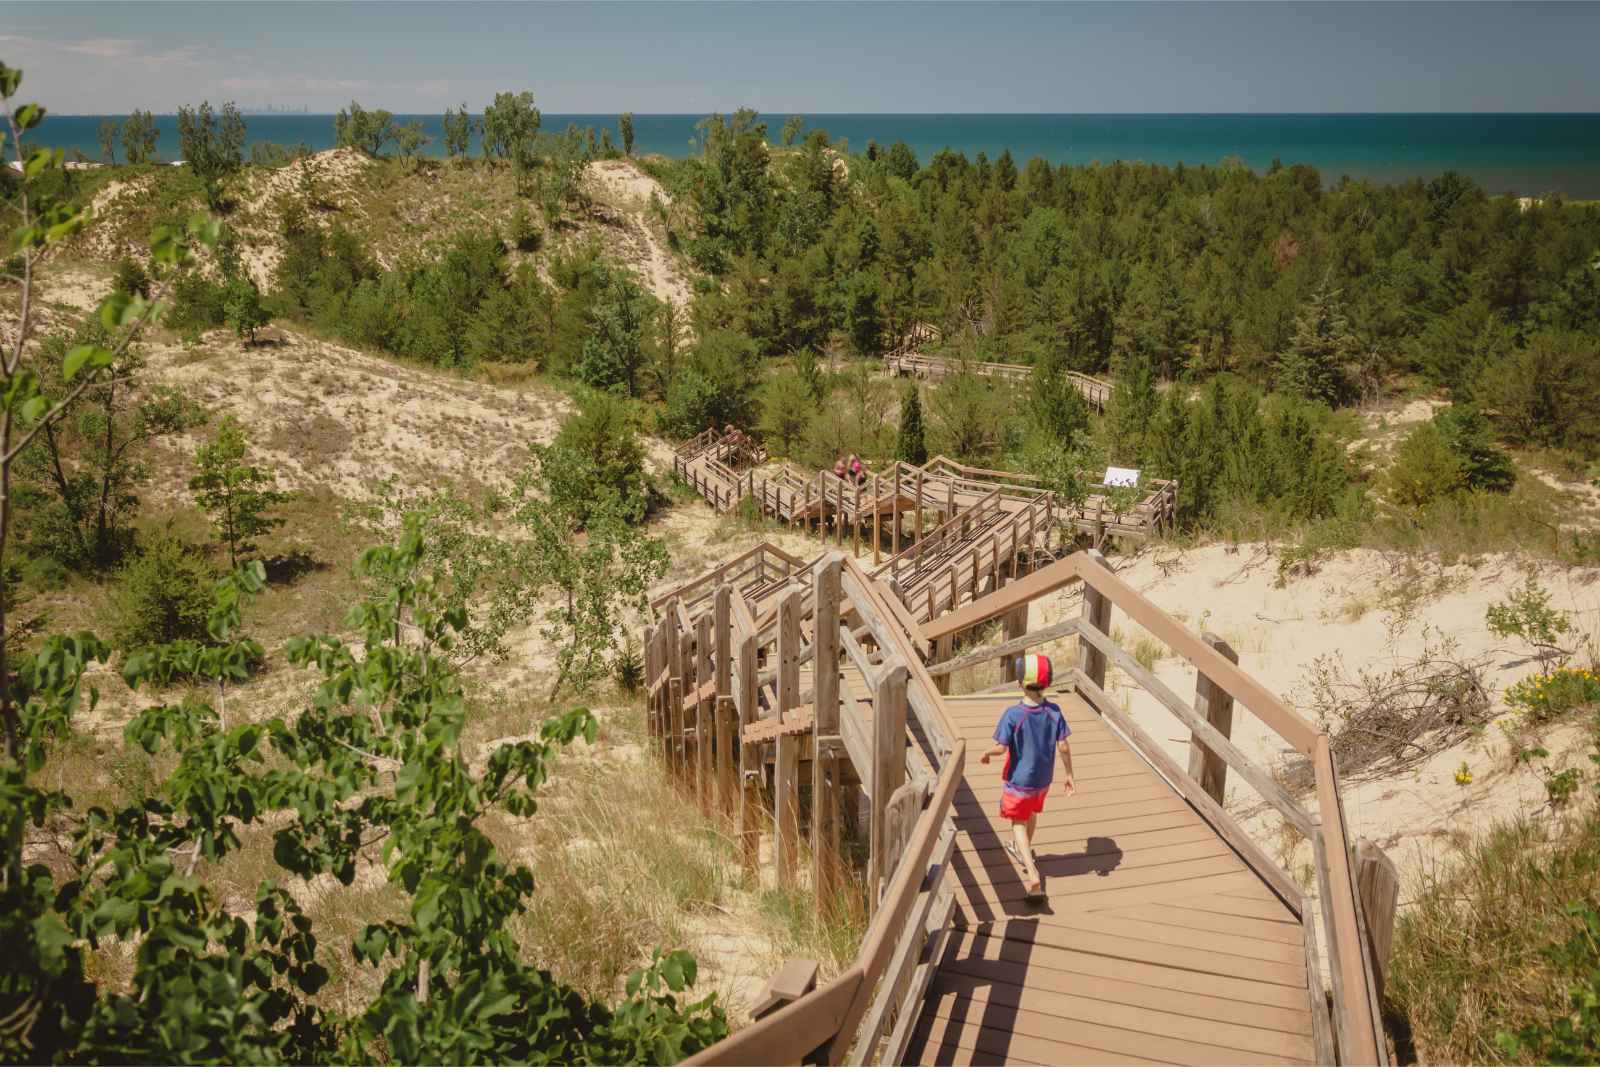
(1483, 466)
(1471, 959)
(717, 386)
(1543, 697)
(1547, 392)
(1527, 615)
(523, 232)
(131, 278)
(1574, 1037)
(596, 459)
(198, 304)
(1424, 469)
(163, 595)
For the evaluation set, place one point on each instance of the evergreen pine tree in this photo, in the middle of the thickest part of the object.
(1055, 407)
(1313, 364)
(910, 445)
(1130, 411)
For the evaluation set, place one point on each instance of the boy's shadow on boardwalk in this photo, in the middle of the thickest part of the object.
(1100, 856)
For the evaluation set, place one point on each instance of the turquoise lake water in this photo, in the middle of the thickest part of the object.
(1529, 154)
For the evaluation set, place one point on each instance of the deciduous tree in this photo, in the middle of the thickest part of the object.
(236, 494)
(458, 125)
(139, 137)
(366, 131)
(212, 144)
(108, 133)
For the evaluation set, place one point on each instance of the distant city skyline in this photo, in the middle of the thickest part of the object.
(694, 58)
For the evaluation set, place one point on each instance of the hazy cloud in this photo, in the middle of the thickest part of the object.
(102, 47)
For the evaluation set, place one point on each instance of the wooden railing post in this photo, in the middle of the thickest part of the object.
(1096, 613)
(1215, 706)
(888, 767)
(877, 511)
(786, 792)
(1378, 884)
(826, 782)
(703, 705)
(855, 522)
(750, 769)
(722, 611)
(919, 506)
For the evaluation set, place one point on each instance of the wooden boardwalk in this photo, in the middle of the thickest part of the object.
(907, 358)
(1096, 392)
(722, 469)
(1167, 934)
(1157, 943)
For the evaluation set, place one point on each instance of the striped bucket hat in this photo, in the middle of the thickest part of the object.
(1034, 670)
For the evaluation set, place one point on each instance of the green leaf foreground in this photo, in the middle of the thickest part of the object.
(372, 773)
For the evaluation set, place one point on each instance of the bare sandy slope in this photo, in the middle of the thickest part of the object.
(620, 193)
(1373, 612)
(328, 416)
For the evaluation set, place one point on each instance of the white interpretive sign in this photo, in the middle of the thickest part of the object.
(1121, 476)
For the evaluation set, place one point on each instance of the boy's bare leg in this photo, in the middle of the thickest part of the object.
(1033, 824)
(1021, 832)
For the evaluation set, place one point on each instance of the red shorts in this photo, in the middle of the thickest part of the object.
(1020, 805)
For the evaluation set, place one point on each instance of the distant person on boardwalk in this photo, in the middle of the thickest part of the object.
(838, 468)
(857, 474)
(1029, 735)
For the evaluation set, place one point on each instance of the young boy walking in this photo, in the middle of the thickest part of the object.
(1029, 735)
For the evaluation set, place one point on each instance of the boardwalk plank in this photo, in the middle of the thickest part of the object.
(1164, 997)
(1157, 1018)
(935, 1033)
(1024, 1025)
(1022, 953)
(1171, 913)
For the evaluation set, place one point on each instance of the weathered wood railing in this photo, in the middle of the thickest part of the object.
(1356, 1018)
(975, 560)
(1093, 390)
(748, 572)
(718, 719)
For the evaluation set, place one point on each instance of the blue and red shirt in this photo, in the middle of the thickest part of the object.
(1031, 732)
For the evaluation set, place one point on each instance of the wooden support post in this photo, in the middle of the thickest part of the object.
(950, 497)
(839, 514)
(1016, 624)
(877, 510)
(888, 768)
(786, 798)
(825, 782)
(1215, 706)
(750, 766)
(894, 549)
(1096, 613)
(691, 682)
(855, 522)
(726, 727)
(674, 717)
(670, 645)
(702, 712)
(919, 505)
(1378, 884)
(943, 649)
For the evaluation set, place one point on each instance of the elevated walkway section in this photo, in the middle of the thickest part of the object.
(1167, 934)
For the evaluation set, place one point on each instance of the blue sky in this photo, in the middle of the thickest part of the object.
(91, 58)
